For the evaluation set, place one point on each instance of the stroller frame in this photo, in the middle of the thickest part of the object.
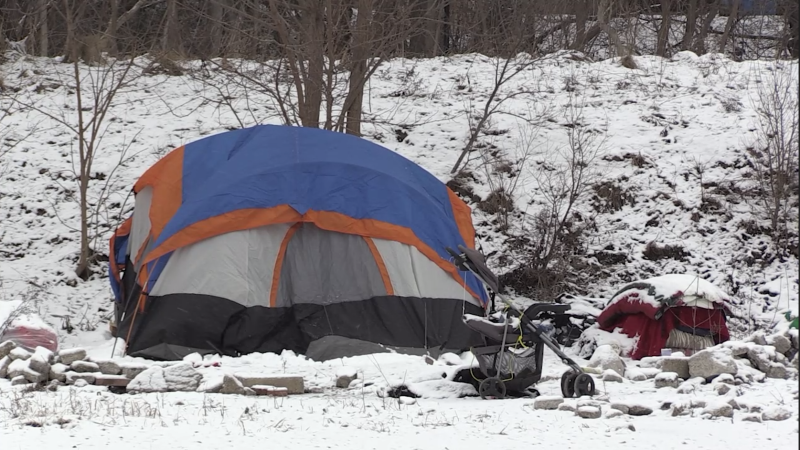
(498, 349)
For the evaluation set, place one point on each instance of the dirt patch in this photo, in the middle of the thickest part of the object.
(656, 252)
(611, 197)
(498, 202)
(461, 185)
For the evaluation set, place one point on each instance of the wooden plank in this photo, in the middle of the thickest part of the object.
(111, 380)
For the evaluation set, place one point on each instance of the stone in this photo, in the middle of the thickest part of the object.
(639, 410)
(45, 353)
(725, 378)
(697, 403)
(294, 384)
(718, 410)
(70, 355)
(722, 388)
(611, 376)
(84, 367)
(738, 348)
(607, 357)
(758, 338)
(547, 402)
(19, 380)
(34, 376)
(679, 409)
(231, 385)
(751, 418)
(19, 353)
(16, 368)
(776, 413)
(781, 343)
(53, 385)
(111, 380)
(621, 407)
(588, 412)
(777, 370)
(627, 426)
(149, 380)
(666, 379)
(182, 377)
(270, 391)
(711, 362)
(39, 363)
(677, 364)
(635, 374)
(6, 347)
(80, 382)
(58, 372)
(5, 361)
(567, 407)
(132, 370)
(72, 377)
(108, 367)
(611, 413)
(343, 381)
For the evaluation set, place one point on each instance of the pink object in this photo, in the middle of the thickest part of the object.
(30, 331)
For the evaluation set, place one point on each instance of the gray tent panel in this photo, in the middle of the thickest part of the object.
(140, 226)
(322, 267)
(237, 266)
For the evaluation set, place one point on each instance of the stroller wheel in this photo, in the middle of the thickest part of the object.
(584, 385)
(568, 384)
(492, 387)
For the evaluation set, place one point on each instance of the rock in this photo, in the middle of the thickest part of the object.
(58, 372)
(718, 410)
(108, 367)
(758, 338)
(711, 362)
(294, 384)
(19, 353)
(628, 427)
(781, 343)
(666, 379)
(34, 376)
(679, 365)
(725, 378)
(777, 370)
(611, 413)
(738, 348)
(611, 376)
(545, 402)
(635, 374)
(776, 413)
(250, 391)
(72, 377)
(38, 363)
(567, 407)
(6, 347)
(132, 370)
(607, 357)
(182, 377)
(679, 409)
(722, 388)
(588, 412)
(231, 385)
(697, 403)
(70, 355)
(272, 391)
(45, 353)
(751, 418)
(84, 367)
(5, 361)
(621, 407)
(586, 401)
(639, 410)
(16, 368)
(343, 380)
(80, 382)
(149, 380)
(53, 385)
(734, 404)
(19, 380)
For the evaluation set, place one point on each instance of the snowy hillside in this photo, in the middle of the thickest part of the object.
(669, 190)
(667, 144)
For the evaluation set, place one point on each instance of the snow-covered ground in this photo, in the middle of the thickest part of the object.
(672, 134)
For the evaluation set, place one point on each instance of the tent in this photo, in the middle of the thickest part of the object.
(272, 238)
(678, 311)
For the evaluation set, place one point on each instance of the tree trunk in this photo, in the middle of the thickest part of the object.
(733, 17)
(215, 28)
(358, 69)
(663, 30)
(44, 33)
(171, 39)
(711, 14)
(691, 25)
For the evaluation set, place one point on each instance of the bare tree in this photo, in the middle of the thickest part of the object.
(775, 152)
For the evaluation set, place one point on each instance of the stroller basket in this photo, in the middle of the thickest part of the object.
(508, 364)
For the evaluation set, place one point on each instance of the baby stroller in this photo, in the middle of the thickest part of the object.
(510, 361)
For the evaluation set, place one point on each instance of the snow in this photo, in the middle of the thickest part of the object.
(669, 285)
(703, 107)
